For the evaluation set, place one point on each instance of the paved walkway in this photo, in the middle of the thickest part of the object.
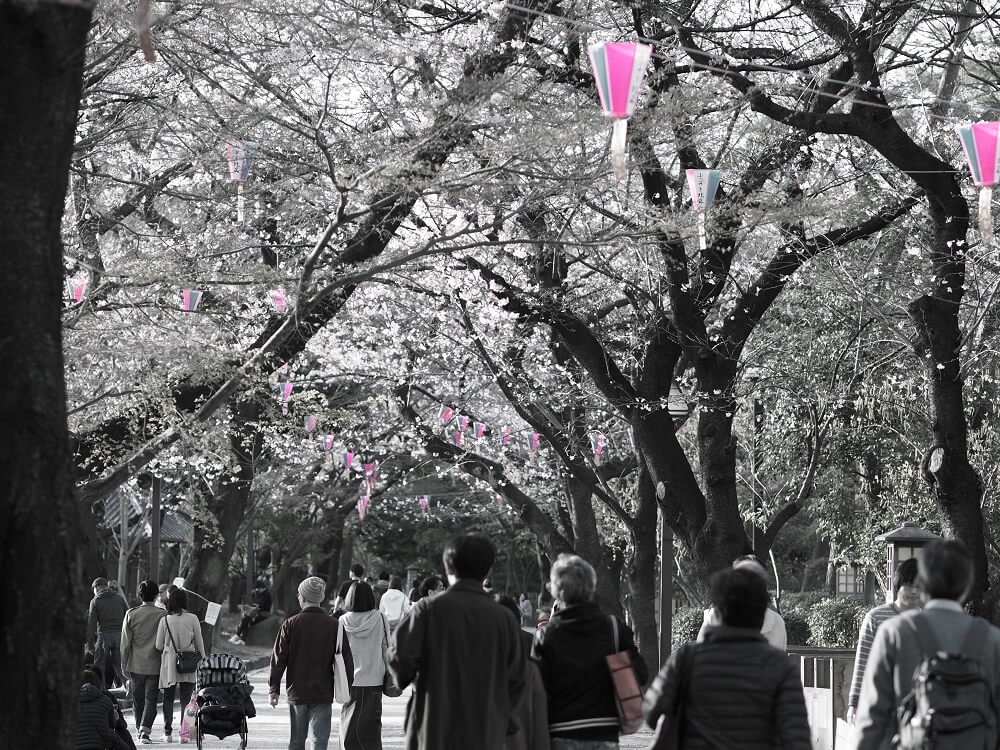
(269, 729)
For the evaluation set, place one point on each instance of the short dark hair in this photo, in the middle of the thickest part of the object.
(177, 601)
(507, 602)
(946, 570)
(469, 556)
(148, 591)
(396, 583)
(740, 596)
(383, 576)
(93, 677)
(429, 584)
(358, 569)
(360, 598)
(904, 575)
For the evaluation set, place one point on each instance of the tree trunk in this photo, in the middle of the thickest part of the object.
(643, 575)
(588, 545)
(42, 529)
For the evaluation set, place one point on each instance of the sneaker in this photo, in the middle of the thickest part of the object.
(168, 738)
(144, 739)
(234, 638)
(184, 740)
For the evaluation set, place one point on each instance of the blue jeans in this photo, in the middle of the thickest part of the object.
(560, 743)
(108, 656)
(319, 715)
(186, 690)
(145, 691)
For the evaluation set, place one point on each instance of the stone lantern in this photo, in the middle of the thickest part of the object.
(902, 544)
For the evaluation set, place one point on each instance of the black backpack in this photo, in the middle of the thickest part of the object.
(951, 704)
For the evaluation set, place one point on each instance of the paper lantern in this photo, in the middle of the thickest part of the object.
(424, 502)
(463, 422)
(286, 393)
(328, 443)
(277, 299)
(190, 299)
(478, 429)
(77, 289)
(677, 403)
(703, 184)
(981, 142)
(533, 439)
(619, 68)
(505, 439)
(444, 413)
(348, 459)
(598, 442)
(240, 155)
(309, 422)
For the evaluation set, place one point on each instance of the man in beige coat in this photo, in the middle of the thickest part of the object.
(140, 659)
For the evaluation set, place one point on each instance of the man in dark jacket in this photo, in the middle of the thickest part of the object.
(740, 692)
(464, 653)
(304, 647)
(570, 650)
(104, 631)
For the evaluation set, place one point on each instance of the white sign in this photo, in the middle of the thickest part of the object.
(212, 613)
(179, 583)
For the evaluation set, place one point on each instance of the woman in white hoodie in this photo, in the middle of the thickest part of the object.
(361, 716)
(394, 603)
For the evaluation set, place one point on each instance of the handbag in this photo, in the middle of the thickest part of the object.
(628, 694)
(670, 727)
(341, 686)
(390, 687)
(186, 661)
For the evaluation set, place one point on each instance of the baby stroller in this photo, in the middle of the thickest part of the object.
(223, 697)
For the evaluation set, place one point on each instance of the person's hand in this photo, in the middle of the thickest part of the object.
(274, 700)
(852, 714)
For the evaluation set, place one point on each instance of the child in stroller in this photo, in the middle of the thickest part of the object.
(223, 695)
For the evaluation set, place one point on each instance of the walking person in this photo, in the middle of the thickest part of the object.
(394, 603)
(304, 652)
(104, 631)
(773, 628)
(179, 630)
(570, 650)
(361, 716)
(734, 688)
(141, 661)
(464, 655)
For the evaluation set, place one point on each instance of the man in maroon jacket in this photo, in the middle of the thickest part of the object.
(304, 648)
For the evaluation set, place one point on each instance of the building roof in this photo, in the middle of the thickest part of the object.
(176, 527)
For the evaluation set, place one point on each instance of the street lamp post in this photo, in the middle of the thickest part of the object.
(903, 543)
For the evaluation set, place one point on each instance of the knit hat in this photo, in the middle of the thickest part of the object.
(312, 589)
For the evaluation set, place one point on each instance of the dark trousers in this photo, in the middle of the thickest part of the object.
(186, 690)
(145, 691)
(361, 720)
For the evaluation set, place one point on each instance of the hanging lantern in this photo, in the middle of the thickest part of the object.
(505, 439)
(703, 184)
(328, 443)
(240, 155)
(424, 502)
(77, 288)
(463, 422)
(277, 299)
(444, 414)
(677, 403)
(981, 142)
(309, 422)
(478, 429)
(619, 68)
(286, 393)
(190, 299)
(348, 459)
(533, 439)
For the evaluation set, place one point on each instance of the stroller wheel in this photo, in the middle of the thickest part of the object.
(197, 729)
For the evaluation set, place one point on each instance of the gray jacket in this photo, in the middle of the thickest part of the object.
(896, 654)
(367, 638)
(138, 643)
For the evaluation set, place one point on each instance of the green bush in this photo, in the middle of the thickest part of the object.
(796, 627)
(686, 624)
(834, 623)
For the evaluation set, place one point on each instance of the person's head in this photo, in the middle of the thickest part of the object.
(751, 563)
(945, 570)
(383, 576)
(740, 597)
(311, 591)
(99, 585)
(469, 556)
(357, 571)
(148, 591)
(573, 579)
(905, 591)
(177, 601)
(396, 583)
(431, 586)
(92, 677)
(260, 584)
(360, 597)
(508, 602)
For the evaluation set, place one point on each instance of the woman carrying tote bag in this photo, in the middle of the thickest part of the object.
(180, 630)
(361, 716)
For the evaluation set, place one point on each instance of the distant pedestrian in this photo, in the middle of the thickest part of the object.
(258, 609)
(361, 716)
(945, 577)
(570, 650)
(104, 631)
(741, 691)
(304, 652)
(381, 586)
(178, 631)
(464, 655)
(140, 658)
(906, 595)
(527, 611)
(532, 714)
(431, 586)
(773, 628)
(394, 603)
(357, 574)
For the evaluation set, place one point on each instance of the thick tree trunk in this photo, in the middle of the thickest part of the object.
(42, 529)
(588, 545)
(642, 575)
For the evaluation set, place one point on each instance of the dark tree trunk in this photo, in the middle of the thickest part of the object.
(643, 575)
(42, 529)
(587, 544)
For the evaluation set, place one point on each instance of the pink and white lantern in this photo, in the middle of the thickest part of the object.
(981, 142)
(190, 299)
(619, 69)
(240, 155)
(703, 184)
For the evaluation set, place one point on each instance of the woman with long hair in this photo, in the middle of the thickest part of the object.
(180, 630)
(367, 633)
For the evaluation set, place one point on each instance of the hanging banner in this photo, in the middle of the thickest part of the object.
(457, 438)
(533, 439)
(463, 422)
(444, 414)
(286, 394)
(328, 443)
(478, 429)
(348, 459)
(505, 440)
(309, 422)
(703, 184)
(424, 502)
(190, 299)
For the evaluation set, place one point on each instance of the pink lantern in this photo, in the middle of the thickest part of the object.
(309, 422)
(328, 443)
(478, 429)
(619, 68)
(190, 299)
(286, 393)
(348, 459)
(703, 183)
(240, 155)
(463, 422)
(444, 413)
(278, 301)
(981, 142)
(77, 288)
(424, 501)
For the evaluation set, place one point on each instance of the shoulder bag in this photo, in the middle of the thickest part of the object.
(341, 685)
(628, 694)
(390, 687)
(186, 661)
(670, 727)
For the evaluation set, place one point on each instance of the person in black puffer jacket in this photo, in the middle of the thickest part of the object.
(95, 728)
(741, 692)
(570, 650)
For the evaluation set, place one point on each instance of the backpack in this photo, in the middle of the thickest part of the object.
(951, 704)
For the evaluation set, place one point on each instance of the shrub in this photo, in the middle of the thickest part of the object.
(686, 624)
(796, 628)
(834, 623)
